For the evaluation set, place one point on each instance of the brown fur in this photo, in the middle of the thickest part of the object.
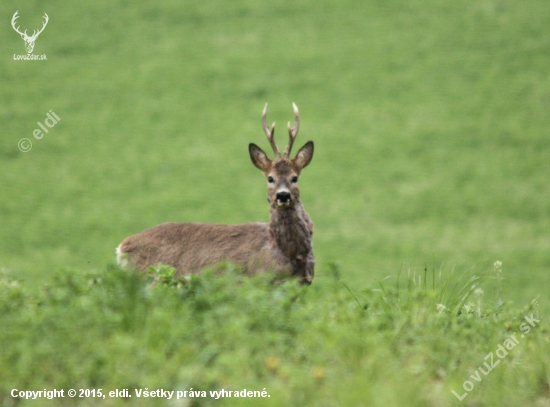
(283, 245)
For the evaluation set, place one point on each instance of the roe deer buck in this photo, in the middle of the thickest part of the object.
(283, 245)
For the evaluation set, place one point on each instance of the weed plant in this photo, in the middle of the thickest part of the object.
(408, 342)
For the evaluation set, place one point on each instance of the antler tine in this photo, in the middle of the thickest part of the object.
(36, 33)
(292, 132)
(13, 22)
(46, 19)
(270, 133)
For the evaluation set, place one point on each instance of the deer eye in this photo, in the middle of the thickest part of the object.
(294, 179)
(270, 180)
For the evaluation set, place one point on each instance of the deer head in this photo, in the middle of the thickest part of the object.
(282, 173)
(29, 41)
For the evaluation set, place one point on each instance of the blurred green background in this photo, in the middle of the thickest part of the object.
(430, 121)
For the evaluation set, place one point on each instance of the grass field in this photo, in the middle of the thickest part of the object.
(324, 345)
(431, 123)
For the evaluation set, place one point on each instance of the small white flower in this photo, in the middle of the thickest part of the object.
(498, 266)
(478, 292)
(468, 307)
(440, 307)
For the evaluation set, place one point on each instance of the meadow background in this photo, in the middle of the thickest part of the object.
(430, 120)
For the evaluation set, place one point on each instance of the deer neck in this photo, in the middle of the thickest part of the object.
(291, 230)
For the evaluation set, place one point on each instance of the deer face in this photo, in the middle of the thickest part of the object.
(282, 184)
(29, 43)
(282, 175)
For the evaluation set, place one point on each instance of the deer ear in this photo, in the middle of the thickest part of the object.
(304, 156)
(258, 157)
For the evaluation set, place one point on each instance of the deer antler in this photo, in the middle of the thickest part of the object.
(36, 34)
(270, 133)
(292, 132)
(15, 17)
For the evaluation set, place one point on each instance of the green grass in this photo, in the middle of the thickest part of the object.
(430, 121)
(323, 345)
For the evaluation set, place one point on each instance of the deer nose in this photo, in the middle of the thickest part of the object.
(283, 197)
